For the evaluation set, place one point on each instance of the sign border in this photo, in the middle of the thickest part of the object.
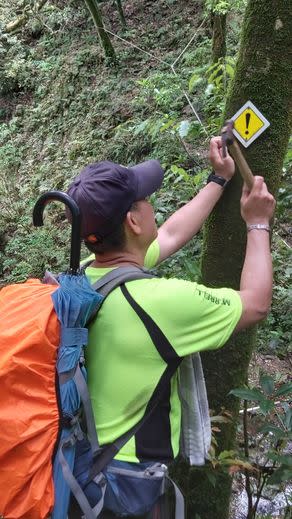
(266, 124)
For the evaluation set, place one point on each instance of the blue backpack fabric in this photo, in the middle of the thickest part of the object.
(131, 488)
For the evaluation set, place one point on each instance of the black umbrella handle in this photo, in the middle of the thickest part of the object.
(38, 221)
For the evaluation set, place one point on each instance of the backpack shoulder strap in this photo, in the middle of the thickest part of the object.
(109, 451)
(118, 276)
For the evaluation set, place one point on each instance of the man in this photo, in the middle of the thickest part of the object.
(124, 365)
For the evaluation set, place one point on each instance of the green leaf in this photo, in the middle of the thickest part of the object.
(211, 477)
(229, 70)
(140, 128)
(248, 394)
(270, 428)
(266, 406)
(284, 459)
(195, 129)
(226, 454)
(212, 68)
(218, 81)
(287, 418)
(194, 81)
(167, 125)
(181, 172)
(217, 72)
(283, 473)
(230, 60)
(267, 384)
(285, 389)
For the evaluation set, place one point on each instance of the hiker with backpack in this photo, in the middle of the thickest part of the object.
(146, 327)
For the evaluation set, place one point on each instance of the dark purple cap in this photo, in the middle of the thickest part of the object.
(105, 191)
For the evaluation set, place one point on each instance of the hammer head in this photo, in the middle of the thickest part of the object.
(227, 135)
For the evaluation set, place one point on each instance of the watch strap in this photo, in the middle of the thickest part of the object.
(258, 227)
(217, 179)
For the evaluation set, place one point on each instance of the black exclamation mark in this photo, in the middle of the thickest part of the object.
(247, 119)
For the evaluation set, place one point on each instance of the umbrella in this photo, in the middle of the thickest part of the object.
(74, 302)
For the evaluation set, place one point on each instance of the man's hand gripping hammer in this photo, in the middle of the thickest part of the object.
(228, 140)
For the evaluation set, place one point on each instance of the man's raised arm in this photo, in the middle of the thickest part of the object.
(182, 226)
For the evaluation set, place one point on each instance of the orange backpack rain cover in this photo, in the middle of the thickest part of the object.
(29, 425)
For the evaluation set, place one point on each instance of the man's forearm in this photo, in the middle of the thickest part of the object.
(257, 272)
(256, 279)
(188, 220)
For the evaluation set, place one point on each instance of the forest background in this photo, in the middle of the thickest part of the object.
(64, 104)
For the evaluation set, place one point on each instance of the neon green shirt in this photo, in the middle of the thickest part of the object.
(124, 367)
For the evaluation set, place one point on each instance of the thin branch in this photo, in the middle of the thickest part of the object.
(259, 492)
(246, 454)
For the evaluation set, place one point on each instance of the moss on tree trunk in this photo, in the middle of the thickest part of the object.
(263, 75)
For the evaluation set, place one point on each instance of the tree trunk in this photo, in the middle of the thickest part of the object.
(263, 75)
(121, 12)
(103, 36)
(218, 36)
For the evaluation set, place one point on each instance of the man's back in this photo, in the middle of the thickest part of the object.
(125, 367)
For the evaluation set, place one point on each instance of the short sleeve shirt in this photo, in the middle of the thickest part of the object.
(124, 366)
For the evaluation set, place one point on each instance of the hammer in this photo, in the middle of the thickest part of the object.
(228, 140)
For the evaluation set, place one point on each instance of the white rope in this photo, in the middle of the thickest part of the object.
(254, 409)
(191, 105)
(191, 40)
(171, 66)
(135, 46)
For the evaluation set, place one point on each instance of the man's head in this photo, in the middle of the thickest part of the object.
(105, 193)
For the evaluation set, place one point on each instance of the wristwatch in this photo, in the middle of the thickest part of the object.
(216, 178)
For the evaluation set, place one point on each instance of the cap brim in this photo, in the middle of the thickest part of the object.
(149, 176)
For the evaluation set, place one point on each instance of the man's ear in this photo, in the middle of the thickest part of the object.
(132, 222)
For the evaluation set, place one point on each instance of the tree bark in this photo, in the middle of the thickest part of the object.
(121, 12)
(103, 36)
(218, 36)
(263, 75)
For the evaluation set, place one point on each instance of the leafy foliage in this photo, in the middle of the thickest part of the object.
(224, 6)
(275, 334)
(57, 114)
(269, 436)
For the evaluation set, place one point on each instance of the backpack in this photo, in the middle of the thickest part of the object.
(32, 420)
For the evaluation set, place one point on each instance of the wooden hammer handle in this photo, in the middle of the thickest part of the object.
(241, 163)
(228, 139)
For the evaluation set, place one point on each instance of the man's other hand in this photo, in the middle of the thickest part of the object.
(257, 205)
